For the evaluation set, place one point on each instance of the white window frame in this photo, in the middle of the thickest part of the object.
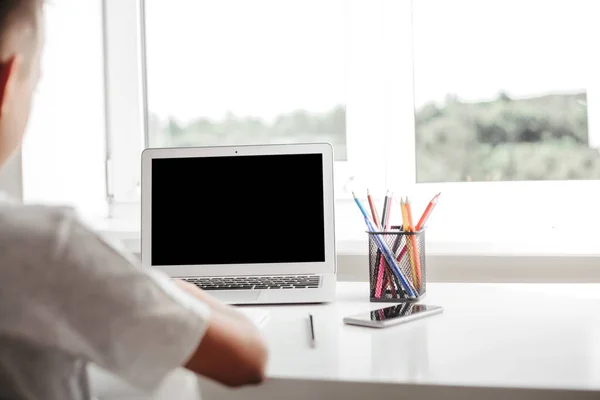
(11, 177)
(124, 94)
(388, 99)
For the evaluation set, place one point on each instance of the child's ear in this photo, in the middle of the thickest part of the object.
(8, 76)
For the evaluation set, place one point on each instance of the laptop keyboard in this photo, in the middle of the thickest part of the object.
(257, 282)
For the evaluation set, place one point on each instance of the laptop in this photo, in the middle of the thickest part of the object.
(248, 224)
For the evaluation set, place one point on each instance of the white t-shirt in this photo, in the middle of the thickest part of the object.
(68, 297)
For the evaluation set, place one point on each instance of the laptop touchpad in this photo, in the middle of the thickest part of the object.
(236, 296)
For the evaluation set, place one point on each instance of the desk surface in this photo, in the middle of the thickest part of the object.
(503, 336)
(491, 335)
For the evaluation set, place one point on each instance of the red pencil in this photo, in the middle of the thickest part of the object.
(427, 213)
(373, 210)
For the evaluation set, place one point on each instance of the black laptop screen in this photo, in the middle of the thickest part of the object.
(238, 210)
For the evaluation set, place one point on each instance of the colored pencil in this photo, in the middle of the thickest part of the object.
(385, 250)
(408, 240)
(373, 210)
(360, 207)
(427, 212)
(413, 250)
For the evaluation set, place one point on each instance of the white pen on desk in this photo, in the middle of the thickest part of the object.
(313, 342)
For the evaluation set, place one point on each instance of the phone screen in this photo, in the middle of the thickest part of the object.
(399, 311)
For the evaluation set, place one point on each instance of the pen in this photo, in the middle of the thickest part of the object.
(384, 215)
(313, 342)
(386, 223)
(427, 212)
(381, 273)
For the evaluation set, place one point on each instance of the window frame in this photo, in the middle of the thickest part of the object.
(371, 154)
(124, 97)
(11, 177)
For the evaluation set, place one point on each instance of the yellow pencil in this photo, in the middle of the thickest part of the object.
(415, 249)
(403, 212)
(409, 242)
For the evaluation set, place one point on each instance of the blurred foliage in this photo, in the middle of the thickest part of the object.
(541, 138)
(295, 127)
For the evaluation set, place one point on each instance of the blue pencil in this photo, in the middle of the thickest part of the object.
(360, 207)
(387, 254)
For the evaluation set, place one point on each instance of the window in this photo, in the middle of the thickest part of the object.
(501, 91)
(270, 72)
(505, 117)
(473, 119)
(63, 150)
(246, 72)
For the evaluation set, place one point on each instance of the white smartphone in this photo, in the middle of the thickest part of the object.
(393, 315)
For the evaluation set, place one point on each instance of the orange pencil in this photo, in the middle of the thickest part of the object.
(413, 241)
(427, 212)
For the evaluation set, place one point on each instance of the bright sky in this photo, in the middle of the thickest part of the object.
(476, 47)
(258, 57)
(264, 57)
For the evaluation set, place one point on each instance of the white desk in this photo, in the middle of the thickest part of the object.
(493, 340)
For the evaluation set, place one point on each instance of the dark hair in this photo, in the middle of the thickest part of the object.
(17, 11)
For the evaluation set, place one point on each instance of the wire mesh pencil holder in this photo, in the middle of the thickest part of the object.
(397, 266)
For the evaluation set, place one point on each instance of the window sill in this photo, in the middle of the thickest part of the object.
(539, 261)
(472, 240)
(440, 248)
(358, 246)
(481, 235)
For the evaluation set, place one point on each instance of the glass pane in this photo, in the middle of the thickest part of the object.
(502, 90)
(63, 150)
(246, 72)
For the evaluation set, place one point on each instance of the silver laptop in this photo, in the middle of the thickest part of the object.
(249, 224)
